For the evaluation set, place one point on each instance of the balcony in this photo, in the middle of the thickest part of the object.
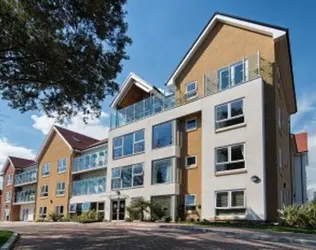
(89, 186)
(89, 162)
(26, 177)
(25, 196)
(242, 71)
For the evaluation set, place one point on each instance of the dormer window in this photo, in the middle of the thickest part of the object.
(191, 90)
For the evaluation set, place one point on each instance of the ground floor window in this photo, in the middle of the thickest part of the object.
(79, 208)
(164, 202)
(190, 202)
(230, 203)
(43, 212)
(59, 210)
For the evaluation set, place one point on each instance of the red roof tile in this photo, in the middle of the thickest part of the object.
(21, 162)
(76, 140)
(301, 142)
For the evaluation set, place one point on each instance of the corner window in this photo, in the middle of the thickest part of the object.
(162, 135)
(230, 203)
(43, 212)
(230, 114)
(61, 165)
(191, 90)
(129, 144)
(7, 197)
(190, 124)
(190, 161)
(9, 179)
(190, 201)
(46, 170)
(128, 176)
(59, 210)
(162, 171)
(44, 190)
(230, 157)
(60, 188)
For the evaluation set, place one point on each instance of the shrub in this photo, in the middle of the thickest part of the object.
(128, 219)
(55, 217)
(302, 216)
(166, 219)
(87, 217)
(40, 220)
(156, 211)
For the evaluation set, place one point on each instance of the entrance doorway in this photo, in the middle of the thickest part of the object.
(118, 209)
(25, 216)
(6, 214)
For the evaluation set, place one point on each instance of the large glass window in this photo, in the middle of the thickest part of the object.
(46, 170)
(229, 114)
(61, 165)
(129, 144)
(190, 201)
(60, 188)
(230, 157)
(89, 186)
(163, 135)
(128, 176)
(162, 171)
(230, 203)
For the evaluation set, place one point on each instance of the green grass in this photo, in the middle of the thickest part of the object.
(4, 236)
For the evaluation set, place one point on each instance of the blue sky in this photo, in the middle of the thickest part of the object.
(162, 31)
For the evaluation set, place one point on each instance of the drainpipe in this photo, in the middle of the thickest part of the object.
(301, 160)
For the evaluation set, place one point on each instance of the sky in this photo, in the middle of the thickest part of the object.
(162, 32)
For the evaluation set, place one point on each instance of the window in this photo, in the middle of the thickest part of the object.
(233, 75)
(191, 90)
(162, 171)
(162, 135)
(59, 210)
(85, 206)
(46, 170)
(190, 201)
(60, 188)
(44, 190)
(61, 166)
(230, 203)
(73, 208)
(129, 144)
(7, 197)
(128, 176)
(230, 157)
(190, 161)
(190, 124)
(229, 114)
(43, 212)
(9, 179)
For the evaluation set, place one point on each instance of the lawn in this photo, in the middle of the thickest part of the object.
(4, 236)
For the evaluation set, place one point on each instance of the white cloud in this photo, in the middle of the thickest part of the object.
(94, 127)
(8, 148)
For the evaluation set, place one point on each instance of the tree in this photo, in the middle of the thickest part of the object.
(61, 56)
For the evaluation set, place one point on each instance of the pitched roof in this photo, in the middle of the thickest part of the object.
(21, 162)
(97, 143)
(301, 142)
(76, 140)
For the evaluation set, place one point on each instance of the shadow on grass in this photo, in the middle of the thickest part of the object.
(4, 236)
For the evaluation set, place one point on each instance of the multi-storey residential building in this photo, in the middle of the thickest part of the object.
(19, 189)
(219, 146)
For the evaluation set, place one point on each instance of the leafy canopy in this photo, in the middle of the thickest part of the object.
(61, 56)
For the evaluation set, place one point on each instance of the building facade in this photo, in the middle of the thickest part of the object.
(217, 147)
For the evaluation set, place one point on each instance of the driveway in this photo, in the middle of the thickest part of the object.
(132, 236)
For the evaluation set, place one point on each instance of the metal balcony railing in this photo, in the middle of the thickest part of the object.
(90, 161)
(244, 70)
(89, 186)
(26, 177)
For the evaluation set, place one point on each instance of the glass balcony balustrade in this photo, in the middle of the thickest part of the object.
(247, 69)
(25, 196)
(90, 161)
(26, 177)
(89, 186)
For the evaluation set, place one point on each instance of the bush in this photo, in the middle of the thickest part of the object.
(87, 217)
(156, 210)
(128, 219)
(40, 220)
(55, 217)
(301, 216)
(166, 219)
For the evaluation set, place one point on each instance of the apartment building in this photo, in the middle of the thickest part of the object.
(19, 189)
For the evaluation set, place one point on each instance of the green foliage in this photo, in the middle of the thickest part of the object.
(40, 220)
(87, 217)
(138, 208)
(61, 57)
(301, 216)
(157, 211)
(55, 217)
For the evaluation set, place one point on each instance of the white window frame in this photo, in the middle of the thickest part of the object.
(229, 147)
(62, 165)
(101, 202)
(41, 212)
(191, 91)
(132, 176)
(58, 208)
(9, 179)
(229, 115)
(189, 206)
(75, 208)
(46, 165)
(138, 141)
(44, 186)
(229, 199)
(186, 161)
(8, 197)
(186, 124)
(61, 188)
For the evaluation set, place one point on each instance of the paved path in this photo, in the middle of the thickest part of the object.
(48, 236)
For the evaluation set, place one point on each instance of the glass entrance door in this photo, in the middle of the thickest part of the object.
(25, 214)
(118, 210)
(6, 214)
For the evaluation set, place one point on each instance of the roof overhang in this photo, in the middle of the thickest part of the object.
(270, 30)
(6, 164)
(131, 79)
